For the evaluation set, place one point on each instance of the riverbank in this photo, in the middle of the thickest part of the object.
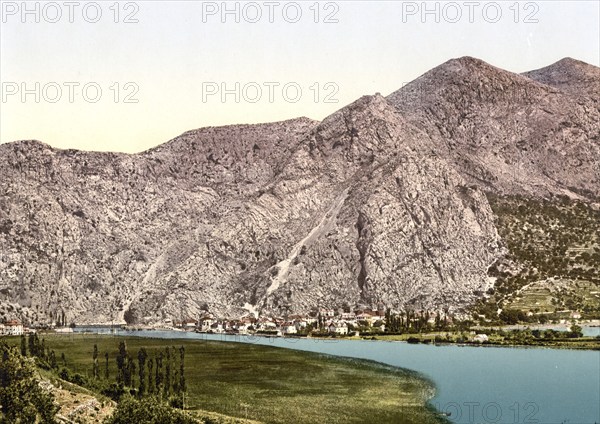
(274, 385)
(584, 343)
(508, 336)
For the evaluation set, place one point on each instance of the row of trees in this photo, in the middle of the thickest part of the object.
(32, 346)
(408, 321)
(24, 400)
(414, 322)
(160, 375)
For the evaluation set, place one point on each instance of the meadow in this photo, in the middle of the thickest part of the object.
(268, 384)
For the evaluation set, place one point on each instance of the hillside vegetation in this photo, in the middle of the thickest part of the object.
(554, 256)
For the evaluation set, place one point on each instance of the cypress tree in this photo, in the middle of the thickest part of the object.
(52, 359)
(150, 376)
(31, 345)
(182, 387)
(42, 350)
(131, 371)
(127, 371)
(175, 381)
(167, 387)
(159, 372)
(23, 345)
(142, 355)
(121, 362)
(95, 358)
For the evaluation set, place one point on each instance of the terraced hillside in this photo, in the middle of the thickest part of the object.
(554, 256)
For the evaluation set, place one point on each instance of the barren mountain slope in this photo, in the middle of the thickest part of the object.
(285, 217)
(83, 232)
(507, 132)
(381, 203)
(570, 76)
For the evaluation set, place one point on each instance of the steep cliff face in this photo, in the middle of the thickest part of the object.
(381, 203)
(91, 233)
(400, 229)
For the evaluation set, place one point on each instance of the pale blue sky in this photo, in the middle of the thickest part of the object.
(171, 52)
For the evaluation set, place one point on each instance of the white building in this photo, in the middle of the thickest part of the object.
(289, 328)
(339, 328)
(480, 338)
(12, 328)
(206, 322)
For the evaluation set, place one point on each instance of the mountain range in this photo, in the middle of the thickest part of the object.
(385, 203)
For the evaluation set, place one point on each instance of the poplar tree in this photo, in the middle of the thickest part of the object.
(121, 362)
(159, 372)
(150, 376)
(167, 387)
(182, 386)
(142, 355)
(23, 345)
(95, 357)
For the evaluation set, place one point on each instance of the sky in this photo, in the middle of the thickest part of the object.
(129, 75)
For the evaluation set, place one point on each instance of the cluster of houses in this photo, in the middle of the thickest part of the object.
(326, 320)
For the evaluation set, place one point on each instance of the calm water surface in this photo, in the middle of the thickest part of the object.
(474, 384)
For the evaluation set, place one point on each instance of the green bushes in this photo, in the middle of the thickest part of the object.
(75, 378)
(22, 398)
(148, 410)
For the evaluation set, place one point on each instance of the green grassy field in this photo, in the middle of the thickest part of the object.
(272, 385)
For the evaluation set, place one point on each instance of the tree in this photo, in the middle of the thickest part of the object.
(95, 358)
(121, 358)
(131, 371)
(31, 345)
(42, 350)
(576, 331)
(167, 388)
(142, 355)
(182, 387)
(22, 398)
(159, 373)
(106, 366)
(150, 376)
(175, 382)
(23, 345)
(52, 360)
(510, 316)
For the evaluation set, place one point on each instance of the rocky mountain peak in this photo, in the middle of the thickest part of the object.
(508, 132)
(465, 82)
(570, 76)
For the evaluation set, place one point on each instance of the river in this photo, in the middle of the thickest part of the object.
(474, 384)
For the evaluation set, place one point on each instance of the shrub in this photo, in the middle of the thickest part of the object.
(150, 410)
(22, 398)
